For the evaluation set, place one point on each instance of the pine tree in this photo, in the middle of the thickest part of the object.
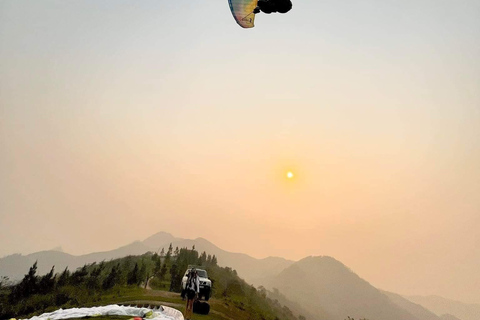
(214, 260)
(157, 267)
(29, 284)
(133, 276)
(142, 274)
(93, 281)
(173, 274)
(31, 280)
(47, 282)
(202, 259)
(78, 277)
(112, 278)
(27, 287)
(169, 254)
(64, 278)
(163, 272)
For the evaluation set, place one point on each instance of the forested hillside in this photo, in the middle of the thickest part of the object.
(138, 278)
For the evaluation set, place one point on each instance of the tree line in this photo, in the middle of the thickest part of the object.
(89, 283)
(170, 266)
(109, 281)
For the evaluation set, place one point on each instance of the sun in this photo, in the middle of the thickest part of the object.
(290, 175)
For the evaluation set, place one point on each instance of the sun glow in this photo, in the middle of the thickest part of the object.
(289, 175)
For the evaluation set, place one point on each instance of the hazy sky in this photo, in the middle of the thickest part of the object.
(119, 119)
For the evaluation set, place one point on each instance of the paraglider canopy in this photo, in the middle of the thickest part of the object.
(244, 10)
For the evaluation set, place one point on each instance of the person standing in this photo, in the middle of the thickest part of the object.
(192, 289)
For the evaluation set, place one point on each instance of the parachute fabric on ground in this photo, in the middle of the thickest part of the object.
(171, 312)
(242, 11)
(164, 313)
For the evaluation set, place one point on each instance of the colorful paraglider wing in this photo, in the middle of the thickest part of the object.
(242, 11)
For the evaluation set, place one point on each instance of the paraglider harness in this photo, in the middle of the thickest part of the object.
(191, 285)
(270, 6)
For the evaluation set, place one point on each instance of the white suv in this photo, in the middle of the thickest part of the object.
(205, 283)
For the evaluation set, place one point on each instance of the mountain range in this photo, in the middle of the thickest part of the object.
(321, 286)
(16, 266)
(330, 290)
(449, 308)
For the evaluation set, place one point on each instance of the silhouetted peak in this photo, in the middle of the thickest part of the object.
(159, 239)
(323, 263)
(203, 240)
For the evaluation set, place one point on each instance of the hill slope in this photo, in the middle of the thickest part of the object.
(415, 309)
(327, 288)
(442, 306)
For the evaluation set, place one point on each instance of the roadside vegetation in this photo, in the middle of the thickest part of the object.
(149, 279)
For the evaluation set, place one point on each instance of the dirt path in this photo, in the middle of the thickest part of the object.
(151, 303)
(221, 314)
(171, 295)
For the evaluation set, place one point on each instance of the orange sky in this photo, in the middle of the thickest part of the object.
(115, 125)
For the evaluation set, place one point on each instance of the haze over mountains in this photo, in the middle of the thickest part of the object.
(251, 269)
(439, 305)
(322, 286)
(330, 290)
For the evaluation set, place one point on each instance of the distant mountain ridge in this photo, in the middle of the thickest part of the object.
(159, 240)
(16, 266)
(448, 309)
(328, 289)
(416, 310)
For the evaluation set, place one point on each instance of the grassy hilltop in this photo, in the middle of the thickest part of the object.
(148, 279)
